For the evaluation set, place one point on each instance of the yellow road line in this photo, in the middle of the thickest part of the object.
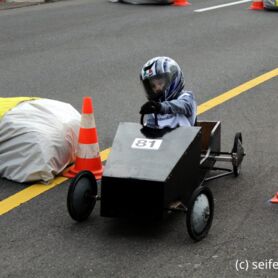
(27, 194)
(104, 154)
(34, 190)
(37, 189)
(236, 91)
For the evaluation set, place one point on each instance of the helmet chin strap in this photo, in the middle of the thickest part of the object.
(164, 94)
(155, 96)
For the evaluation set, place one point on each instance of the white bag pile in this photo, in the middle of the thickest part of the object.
(38, 139)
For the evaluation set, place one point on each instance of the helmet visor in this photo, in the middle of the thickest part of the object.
(156, 86)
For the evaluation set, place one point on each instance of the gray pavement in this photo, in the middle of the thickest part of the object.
(70, 49)
(6, 5)
(14, 5)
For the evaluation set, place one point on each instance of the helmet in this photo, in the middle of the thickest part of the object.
(162, 79)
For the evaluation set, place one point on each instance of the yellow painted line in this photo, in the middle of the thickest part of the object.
(27, 194)
(37, 189)
(236, 91)
(104, 154)
(34, 190)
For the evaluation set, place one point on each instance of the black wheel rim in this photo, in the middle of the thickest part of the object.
(239, 151)
(82, 194)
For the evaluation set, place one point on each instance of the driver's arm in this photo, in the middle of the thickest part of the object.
(184, 104)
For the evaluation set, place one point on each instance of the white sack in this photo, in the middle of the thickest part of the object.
(38, 139)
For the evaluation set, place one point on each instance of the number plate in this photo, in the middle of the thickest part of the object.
(146, 144)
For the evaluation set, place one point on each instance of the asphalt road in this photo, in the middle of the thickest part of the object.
(71, 49)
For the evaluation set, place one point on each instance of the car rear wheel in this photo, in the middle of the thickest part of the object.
(200, 213)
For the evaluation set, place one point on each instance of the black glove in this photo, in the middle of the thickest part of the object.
(150, 107)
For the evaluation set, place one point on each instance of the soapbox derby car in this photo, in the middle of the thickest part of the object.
(270, 5)
(150, 172)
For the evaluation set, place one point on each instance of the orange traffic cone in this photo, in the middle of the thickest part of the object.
(257, 5)
(87, 156)
(274, 200)
(181, 3)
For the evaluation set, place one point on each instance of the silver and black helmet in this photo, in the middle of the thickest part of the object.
(166, 73)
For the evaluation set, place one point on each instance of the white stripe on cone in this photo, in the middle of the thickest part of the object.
(88, 121)
(87, 150)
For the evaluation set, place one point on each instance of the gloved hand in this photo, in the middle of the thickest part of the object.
(150, 107)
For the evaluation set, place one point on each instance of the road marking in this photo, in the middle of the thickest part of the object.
(27, 194)
(221, 6)
(34, 190)
(236, 91)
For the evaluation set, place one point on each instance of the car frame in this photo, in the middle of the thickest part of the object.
(270, 4)
(167, 171)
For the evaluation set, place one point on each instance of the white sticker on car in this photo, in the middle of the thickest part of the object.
(146, 144)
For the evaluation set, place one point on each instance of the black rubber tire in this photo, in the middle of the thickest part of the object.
(81, 197)
(235, 149)
(203, 192)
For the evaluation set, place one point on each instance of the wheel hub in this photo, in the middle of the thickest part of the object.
(200, 213)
